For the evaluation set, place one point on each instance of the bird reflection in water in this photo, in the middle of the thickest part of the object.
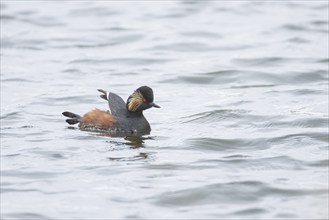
(140, 156)
(133, 141)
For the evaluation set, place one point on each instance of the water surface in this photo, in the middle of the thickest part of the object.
(243, 128)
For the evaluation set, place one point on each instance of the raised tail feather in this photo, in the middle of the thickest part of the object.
(73, 118)
(104, 95)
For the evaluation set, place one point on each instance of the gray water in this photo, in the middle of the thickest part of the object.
(243, 128)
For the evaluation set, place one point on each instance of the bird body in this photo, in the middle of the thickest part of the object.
(121, 117)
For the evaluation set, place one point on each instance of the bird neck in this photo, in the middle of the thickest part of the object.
(135, 114)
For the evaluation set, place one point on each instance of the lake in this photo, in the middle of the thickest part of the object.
(242, 132)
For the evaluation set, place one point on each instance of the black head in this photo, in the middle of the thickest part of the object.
(141, 100)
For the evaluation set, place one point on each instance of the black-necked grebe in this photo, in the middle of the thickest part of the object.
(121, 117)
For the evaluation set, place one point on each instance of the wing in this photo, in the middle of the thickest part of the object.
(116, 103)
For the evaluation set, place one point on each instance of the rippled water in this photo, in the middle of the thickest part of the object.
(243, 128)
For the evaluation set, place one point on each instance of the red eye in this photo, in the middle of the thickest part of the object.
(144, 100)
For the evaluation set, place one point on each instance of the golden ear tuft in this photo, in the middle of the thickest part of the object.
(133, 105)
(135, 101)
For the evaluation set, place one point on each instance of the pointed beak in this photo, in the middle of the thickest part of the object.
(154, 105)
